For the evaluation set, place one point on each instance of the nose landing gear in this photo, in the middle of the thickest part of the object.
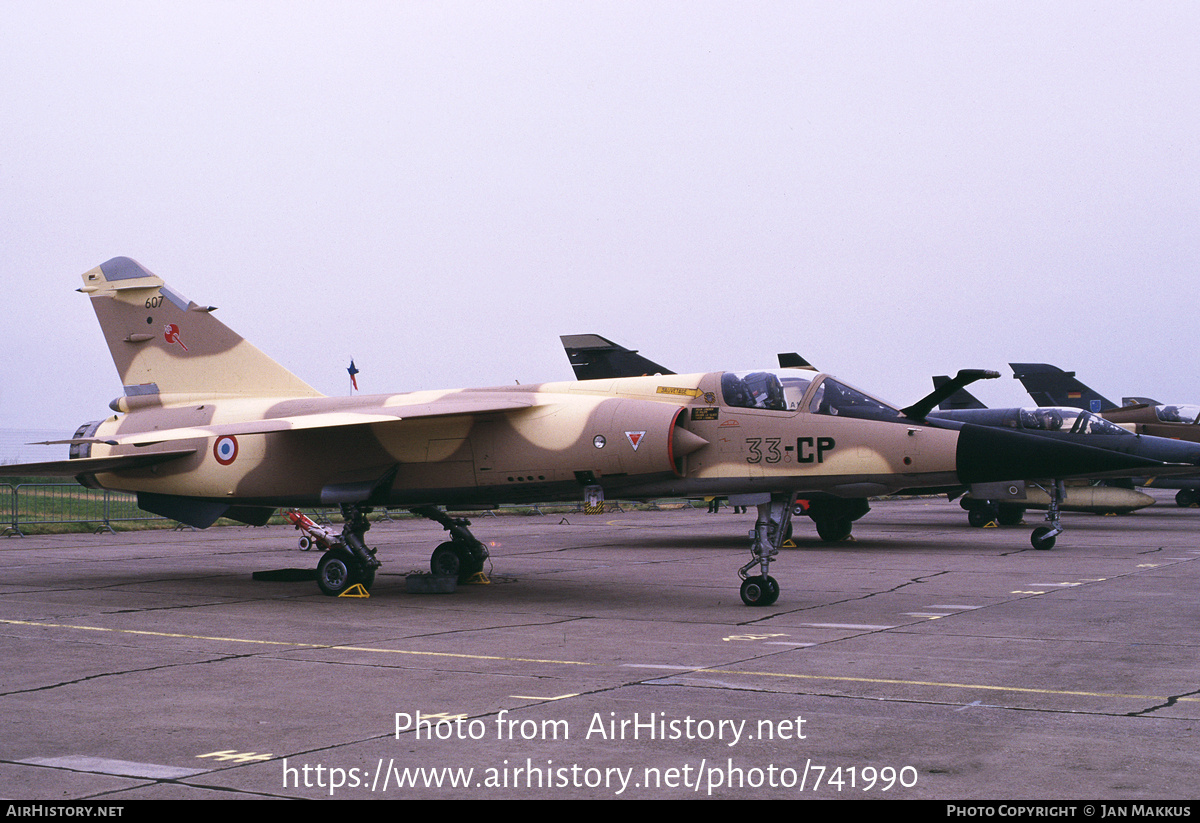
(770, 530)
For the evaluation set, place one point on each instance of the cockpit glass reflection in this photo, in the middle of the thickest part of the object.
(1177, 414)
(776, 391)
(836, 398)
(1075, 421)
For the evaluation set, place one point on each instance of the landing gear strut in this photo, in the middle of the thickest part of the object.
(770, 530)
(348, 560)
(1042, 538)
(461, 556)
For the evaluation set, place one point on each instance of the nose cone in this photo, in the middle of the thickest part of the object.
(989, 454)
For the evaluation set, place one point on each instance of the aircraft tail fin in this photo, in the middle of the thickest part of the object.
(597, 358)
(1051, 386)
(960, 399)
(164, 345)
(793, 360)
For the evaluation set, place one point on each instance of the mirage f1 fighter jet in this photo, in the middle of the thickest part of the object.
(208, 426)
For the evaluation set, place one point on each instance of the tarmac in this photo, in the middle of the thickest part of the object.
(610, 656)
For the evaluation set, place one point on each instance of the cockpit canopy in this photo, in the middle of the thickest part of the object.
(1047, 419)
(1186, 413)
(791, 390)
(1075, 421)
(763, 390)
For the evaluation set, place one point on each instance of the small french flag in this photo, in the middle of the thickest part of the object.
(353, 372)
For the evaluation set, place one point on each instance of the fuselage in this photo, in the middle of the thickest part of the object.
(716, 433)
(634, 437)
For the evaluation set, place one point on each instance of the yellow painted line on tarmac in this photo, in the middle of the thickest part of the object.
(833, 678)
(160, 634)
(934, 683)
(464, 656)
(293, 644)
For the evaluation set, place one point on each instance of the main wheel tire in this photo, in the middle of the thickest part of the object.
(1011, 515)
(366, 577)
(446, 560)
(978, 518)
(470, 565)
(335, 572)
(833, 529)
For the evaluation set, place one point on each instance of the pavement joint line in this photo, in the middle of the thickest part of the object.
(896, 682)
(783, 675)
(293, 644)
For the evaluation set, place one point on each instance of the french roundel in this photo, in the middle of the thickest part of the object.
(225, 450)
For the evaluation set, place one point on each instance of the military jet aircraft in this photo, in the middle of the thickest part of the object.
(1002, 502)
(209, 426)
(1005, 503)
(1051, 386)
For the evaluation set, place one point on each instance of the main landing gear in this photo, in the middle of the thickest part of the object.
(461, 556)
(982, 512)
(348, 560)
(770, 530)
(835, 518)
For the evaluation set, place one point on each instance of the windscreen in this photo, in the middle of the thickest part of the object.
(836, 398)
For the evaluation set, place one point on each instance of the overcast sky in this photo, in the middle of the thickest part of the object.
(440, 189)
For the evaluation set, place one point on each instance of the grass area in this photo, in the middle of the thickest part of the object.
(67, 508)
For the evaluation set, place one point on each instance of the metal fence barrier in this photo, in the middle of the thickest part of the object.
(27, 505)
(57, 504)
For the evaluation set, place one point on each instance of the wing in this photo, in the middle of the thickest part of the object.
(453, 406)
(92, 465)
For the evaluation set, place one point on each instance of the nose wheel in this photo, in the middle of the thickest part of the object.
(770, 530)
(761, 590)
(1043, 537)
